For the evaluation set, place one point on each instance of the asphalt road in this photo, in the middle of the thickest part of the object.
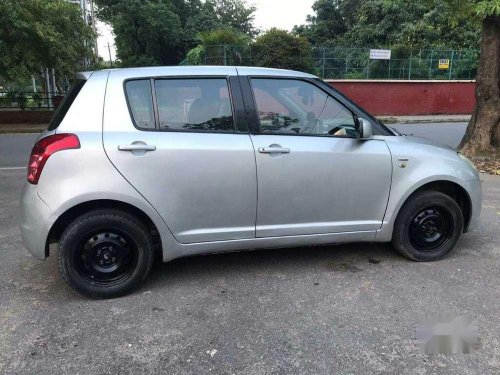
(15, 148)
(349, 309)
(449, 133)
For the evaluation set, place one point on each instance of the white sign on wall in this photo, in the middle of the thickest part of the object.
(380, 54)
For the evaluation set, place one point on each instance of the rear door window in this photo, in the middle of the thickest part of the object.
(194, 104)
(66, 104)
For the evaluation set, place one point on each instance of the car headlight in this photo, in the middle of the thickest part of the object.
(465, 158)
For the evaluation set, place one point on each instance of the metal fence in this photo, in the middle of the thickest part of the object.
(22, 100)
(433, 64)
(355, 63)
(228, 55)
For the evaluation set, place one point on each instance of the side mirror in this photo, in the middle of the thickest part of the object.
(364, 129)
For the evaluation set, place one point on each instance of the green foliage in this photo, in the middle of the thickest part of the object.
(326, 24)
(37, 33)
(380, 23)
(37, 99)
(160, 32)
(281, 49)
(223, 37)
(22, 100)
(487, 8)
(195, 56)
(235, 14)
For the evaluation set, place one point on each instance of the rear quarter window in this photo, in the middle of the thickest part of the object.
(65, 105)
(140, 102)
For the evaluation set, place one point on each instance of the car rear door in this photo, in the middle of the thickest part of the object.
(182, 143)
(313, 176)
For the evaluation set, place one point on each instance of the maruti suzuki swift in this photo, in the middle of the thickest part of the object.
(180, 161)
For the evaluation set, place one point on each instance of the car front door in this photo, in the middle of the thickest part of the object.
(314, 176)
(178, 142)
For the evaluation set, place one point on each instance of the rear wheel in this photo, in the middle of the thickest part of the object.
(428, 226)
(105, 253)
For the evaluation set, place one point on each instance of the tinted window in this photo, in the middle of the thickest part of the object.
(197, 104)
(66, 104)
(290, 106)
(141, 103)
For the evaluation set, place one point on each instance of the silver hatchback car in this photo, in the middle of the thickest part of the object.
(189, 160)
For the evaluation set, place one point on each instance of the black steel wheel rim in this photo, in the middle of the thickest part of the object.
(430, 229)
(106, 257)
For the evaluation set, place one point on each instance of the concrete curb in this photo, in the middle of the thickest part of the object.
(22, 128)
(422, 120)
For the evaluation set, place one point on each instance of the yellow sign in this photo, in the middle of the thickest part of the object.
(444, 64)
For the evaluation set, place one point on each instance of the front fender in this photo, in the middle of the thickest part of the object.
(416, 164)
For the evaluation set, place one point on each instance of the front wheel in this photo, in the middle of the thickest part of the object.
(428, 226)
(105, 253)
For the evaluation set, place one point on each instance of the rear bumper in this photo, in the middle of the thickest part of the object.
(36, 220)
(476, 199)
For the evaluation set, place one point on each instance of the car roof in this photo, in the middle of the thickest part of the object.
(158, 71)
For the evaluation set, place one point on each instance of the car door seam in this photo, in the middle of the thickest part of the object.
(257, 185)
(390, 189)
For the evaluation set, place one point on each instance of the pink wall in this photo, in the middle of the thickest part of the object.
(406, 98)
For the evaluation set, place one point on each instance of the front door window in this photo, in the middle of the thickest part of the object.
(288, 106)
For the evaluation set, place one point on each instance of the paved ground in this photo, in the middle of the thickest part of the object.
(449, 133)
(15, 148)
(348, 309)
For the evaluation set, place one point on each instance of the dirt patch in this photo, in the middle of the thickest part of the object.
(490, 166)
(344, 267)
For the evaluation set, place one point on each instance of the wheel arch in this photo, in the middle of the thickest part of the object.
(453, 190)
(72, 213)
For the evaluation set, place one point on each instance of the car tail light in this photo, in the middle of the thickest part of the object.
(46, 147)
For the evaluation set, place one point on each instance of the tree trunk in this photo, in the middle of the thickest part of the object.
(482, 137)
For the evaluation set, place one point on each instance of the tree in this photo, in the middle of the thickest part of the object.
(383, 23)
(483, 133)
(326, 25)
(215, 42)
(37, 34)
(160, 32)
(281, 49)
(223, 37)
(236, 15)
(146, 32)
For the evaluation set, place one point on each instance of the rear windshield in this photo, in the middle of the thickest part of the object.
(63, 108)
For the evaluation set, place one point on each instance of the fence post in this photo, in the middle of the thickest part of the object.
(225, 57)
(430, 65)
(451, 63)
(323, 65)
(347, 62)
(47, 87)
(54, 87)
(409, 69)
(368, 67)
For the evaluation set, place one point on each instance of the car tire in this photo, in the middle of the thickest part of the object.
(105, 253)
(428, 226)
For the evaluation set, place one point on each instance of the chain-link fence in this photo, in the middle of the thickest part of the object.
(355, 63)
(228, 55)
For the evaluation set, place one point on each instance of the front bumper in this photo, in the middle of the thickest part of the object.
(36, 220)
(476, 199)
